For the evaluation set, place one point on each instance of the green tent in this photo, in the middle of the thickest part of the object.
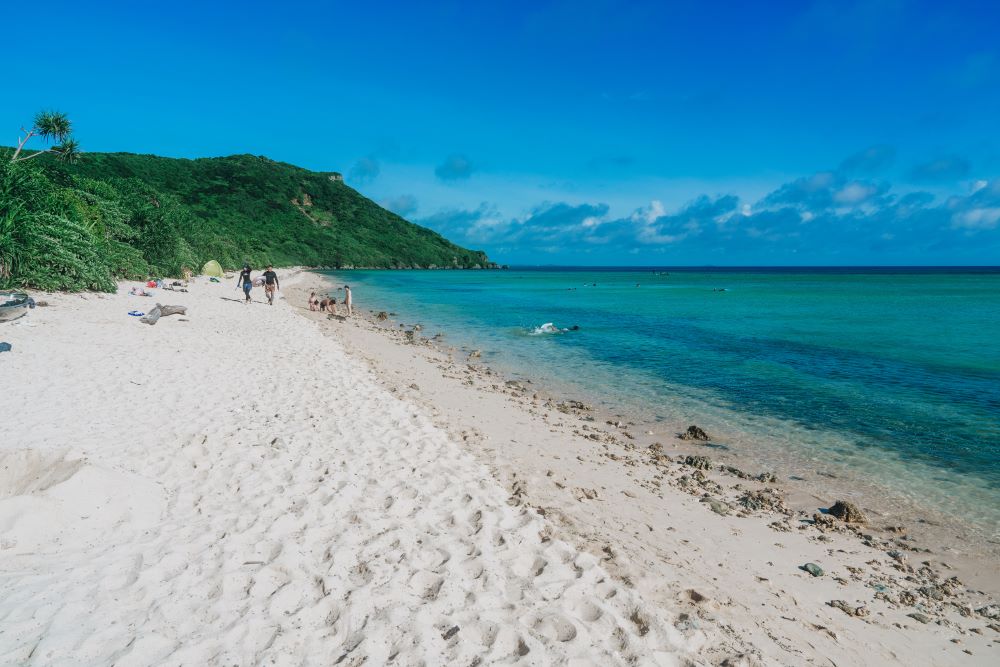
(212, 268)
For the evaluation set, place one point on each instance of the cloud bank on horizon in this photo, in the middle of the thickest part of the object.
(829, 217)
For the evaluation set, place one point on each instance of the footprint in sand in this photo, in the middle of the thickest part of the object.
(426, 585)
(530, 566)
(554, 627)
(605, 590)
(586, 610)
(360, 575)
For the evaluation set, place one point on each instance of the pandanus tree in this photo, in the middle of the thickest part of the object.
(50, 126)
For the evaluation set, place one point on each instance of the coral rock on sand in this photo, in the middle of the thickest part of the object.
(848, 512)
(991, 611)
(813, 569)
(699, 462)
(694, 433)
(850, 610)
(765, 499)
(717, 506)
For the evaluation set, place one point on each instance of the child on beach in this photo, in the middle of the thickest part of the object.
(245, 282)
(348, 300)
(313, 301)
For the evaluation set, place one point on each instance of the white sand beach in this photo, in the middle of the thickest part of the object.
(251, 485)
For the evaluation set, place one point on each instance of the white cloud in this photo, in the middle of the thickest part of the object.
(649, 214)
(854, 193)
(976, 218)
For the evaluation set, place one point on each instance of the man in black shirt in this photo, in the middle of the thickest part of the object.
(245, 282)
(270, 284)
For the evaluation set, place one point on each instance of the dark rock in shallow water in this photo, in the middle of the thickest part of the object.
(694, 433)
(848, 512)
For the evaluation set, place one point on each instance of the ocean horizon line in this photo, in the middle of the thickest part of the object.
(957, 268)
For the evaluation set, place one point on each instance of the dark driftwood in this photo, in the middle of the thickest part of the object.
(163, 311)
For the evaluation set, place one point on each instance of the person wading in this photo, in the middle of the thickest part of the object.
(270, 284)
(245, 282)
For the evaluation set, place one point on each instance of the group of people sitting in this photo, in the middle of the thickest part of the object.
(328, 304)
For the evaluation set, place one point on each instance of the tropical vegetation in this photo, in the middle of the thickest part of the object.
(74, 221)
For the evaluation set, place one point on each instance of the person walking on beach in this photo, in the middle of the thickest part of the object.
(270, 284)
(245, 282)
(348, 300)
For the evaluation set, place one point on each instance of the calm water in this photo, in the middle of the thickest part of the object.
(889, 375)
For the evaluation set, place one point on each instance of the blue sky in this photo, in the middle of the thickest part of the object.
(583, 132)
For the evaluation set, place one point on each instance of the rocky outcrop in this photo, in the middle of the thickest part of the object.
(764, 499)
(694, 433)
(848, 512)
(699, 462)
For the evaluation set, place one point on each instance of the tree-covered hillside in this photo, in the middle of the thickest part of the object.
(113, 215)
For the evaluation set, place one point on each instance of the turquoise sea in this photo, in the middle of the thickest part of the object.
(885, 376)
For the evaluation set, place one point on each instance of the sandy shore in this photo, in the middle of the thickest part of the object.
(252, 485)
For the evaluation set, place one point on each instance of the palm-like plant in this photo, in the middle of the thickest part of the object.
(68, 150)
(50, 126)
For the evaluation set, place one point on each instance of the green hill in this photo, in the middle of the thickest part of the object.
(119, 215)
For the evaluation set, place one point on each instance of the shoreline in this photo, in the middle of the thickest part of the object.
(409, 362)
(811, 483)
